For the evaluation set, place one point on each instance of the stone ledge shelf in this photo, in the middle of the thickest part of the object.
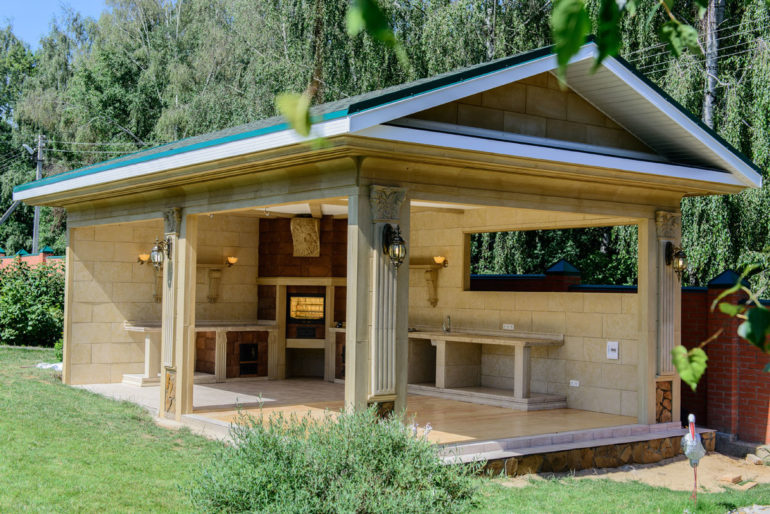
(458, 378)
(151, 331)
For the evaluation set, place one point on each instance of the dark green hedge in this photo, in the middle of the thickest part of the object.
(31, 304)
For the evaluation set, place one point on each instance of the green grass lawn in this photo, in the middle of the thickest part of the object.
(64, 449)
(600, 496)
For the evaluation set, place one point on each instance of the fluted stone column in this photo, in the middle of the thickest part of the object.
(377, 302)
(178, 314)
(669, 230)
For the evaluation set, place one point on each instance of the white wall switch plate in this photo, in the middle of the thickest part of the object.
(574, 383)
(509, 326)
(612, 350)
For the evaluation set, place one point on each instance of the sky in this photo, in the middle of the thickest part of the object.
(31, 19)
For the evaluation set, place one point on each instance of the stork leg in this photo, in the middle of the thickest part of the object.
(694, 496)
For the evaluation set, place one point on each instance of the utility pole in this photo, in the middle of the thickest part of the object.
(38, 176)
(714, 16)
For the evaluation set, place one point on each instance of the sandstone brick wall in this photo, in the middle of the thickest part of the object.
(110, 287)
(219, 237)
(536, 106)
(588, 320)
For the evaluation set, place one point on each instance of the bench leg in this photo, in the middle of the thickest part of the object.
(220, 356)
(151, 354)
(521, 373)
(440, 363)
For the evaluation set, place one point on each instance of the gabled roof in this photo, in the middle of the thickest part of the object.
(616, 88)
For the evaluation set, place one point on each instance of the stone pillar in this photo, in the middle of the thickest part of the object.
(377, 302)
(669, 230)
(360, 245)
(69, 276)
(386, 203)
(178, 314)
(648, 320)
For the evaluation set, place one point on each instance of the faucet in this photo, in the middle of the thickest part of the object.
(447, 326)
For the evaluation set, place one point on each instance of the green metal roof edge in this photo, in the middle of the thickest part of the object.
(449, 79)
(689, 115)
(396, 95)
(104, 166)
(355, 107)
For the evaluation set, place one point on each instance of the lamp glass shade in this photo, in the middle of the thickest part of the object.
(232, 260)
(156, 255)
(144, 257)
(679, 261)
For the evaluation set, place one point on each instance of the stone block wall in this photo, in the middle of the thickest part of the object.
(221, 236)
(536, 106)
(110, 287)
(588, 320)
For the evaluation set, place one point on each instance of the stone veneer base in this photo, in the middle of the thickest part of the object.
(603, 456)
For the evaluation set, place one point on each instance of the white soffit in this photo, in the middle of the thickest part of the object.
(640, 109)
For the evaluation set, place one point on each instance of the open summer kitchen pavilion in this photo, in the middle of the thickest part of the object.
(275, 264)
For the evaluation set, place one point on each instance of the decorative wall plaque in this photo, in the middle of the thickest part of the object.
(305, 233)
(669, 224)
(386, 203)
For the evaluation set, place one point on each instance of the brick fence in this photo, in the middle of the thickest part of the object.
(45, 256)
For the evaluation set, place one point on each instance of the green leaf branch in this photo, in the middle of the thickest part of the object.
(362, 16)
(571, 25)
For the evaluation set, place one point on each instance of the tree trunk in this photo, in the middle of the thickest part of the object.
(714, 16)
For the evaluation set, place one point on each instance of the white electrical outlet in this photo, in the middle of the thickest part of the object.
(509, 326)
(574, 383)
(612, 350)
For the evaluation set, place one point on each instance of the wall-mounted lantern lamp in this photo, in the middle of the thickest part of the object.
(676, 258)
(393, 245)
(441, 261)
(158, 251)
(231, 260)
(143, 258)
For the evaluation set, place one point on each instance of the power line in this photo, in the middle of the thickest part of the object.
(636, 59)
(106, 144)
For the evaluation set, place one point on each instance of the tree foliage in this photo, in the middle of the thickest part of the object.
(151, 71)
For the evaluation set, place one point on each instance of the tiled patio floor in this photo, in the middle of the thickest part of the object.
(451, 421)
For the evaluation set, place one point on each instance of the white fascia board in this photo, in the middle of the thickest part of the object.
(223, 151)
(746, 174)
(462, 142)
(452, 92)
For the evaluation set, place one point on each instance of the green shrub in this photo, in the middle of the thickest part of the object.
(58, 350)
(31, 304)
(351, 463)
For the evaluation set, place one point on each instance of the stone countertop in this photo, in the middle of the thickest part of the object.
(204, 325)
(500, 337)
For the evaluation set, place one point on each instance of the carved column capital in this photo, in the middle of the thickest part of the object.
(172, 219)
(386, 203)
(669, 224)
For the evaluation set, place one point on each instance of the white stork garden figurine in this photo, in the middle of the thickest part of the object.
(694, 450)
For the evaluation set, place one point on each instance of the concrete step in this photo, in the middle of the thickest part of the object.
(139, 380)
(558, 442)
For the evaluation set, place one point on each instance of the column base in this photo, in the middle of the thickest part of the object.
(384, 406)
(169, 393)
